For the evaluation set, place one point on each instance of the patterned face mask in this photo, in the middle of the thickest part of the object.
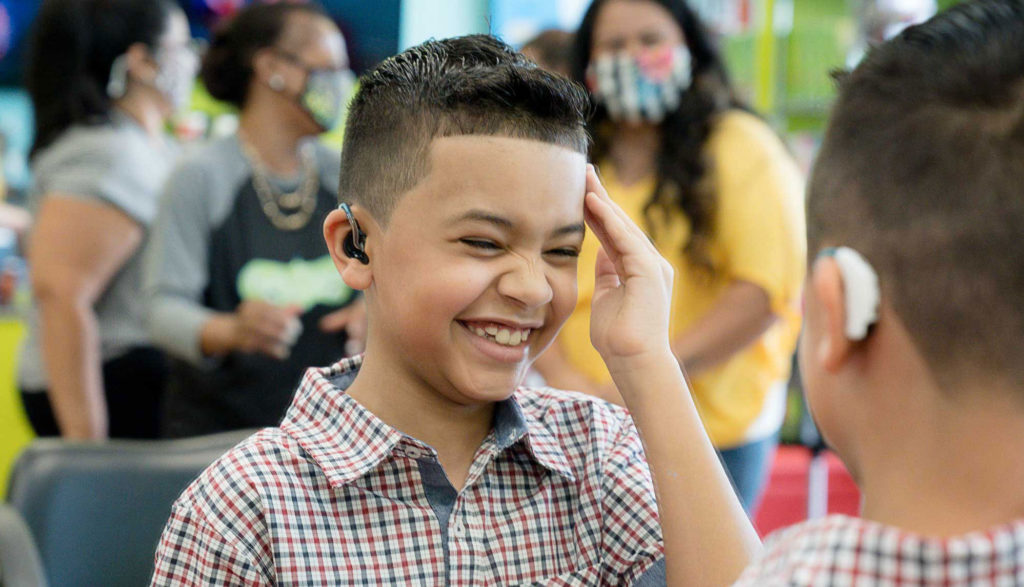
(325, 95)
(640, 88)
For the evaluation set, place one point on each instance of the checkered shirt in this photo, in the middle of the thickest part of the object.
(559, 493)
(839, 551)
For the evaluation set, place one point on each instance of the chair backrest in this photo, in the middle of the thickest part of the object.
(19, 559)
(96, 510)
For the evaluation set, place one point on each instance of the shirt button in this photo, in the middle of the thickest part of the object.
(414, 453)
(459, 530)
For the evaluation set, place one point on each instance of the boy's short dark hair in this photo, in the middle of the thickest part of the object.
(922, 170)
(473, 85)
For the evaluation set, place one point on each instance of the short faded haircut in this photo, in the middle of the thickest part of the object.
(922, 170)
(473, 85)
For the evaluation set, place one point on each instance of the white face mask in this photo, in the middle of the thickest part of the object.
(644, 87)
(175, 79)
(178, 68)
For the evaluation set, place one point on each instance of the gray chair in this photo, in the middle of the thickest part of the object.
(96, 510)
(19, 559)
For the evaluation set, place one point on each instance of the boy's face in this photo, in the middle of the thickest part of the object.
(476, 271)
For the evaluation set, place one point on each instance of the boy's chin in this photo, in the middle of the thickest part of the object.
(494, 390)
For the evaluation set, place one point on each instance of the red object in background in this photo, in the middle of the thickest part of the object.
(785, 499)
(224, 7)
(6, 34)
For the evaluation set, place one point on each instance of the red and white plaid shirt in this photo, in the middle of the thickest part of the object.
(558, 493)
(840, 550)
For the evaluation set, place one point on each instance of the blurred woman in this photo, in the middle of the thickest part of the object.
(242, 290)
(104, 76)
(721, 198)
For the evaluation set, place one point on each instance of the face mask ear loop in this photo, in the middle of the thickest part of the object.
(118, 82)
(860, 288)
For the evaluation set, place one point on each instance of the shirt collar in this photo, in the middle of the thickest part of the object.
(511, 425)
(347, 441)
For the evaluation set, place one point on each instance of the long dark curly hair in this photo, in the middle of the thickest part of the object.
(681, 161)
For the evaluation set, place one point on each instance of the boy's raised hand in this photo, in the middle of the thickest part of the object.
(708, 538)
(633, 285)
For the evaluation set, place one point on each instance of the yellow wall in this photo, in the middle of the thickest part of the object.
(14, 429)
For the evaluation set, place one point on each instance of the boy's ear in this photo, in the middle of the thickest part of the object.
(355, 273)
(832, 345)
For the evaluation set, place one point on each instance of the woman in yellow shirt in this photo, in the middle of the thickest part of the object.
(721, 198)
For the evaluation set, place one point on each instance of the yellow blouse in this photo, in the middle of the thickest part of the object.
(758, 236)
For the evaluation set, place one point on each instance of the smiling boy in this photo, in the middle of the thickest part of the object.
(465, 170)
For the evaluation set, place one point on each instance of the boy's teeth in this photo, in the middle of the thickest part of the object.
(505, 336)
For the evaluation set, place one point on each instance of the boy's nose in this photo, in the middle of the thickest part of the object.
(526, 284)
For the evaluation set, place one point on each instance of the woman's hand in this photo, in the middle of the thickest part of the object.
(351, 319)
(260, 327)
(633, 286)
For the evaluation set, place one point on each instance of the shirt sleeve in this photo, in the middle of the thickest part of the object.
(98, 167)
(175, 273)
(631, 533)
(191, 552)
(760, 215)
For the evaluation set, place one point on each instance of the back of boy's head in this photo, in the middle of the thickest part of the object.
(922, 171)
(473, 85)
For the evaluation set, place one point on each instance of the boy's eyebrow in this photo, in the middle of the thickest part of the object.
(483, 216)
(578, 228)
(505, 223)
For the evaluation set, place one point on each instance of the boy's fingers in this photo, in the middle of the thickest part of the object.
(596, 217)
(606, 276)
(613, 231)
(594, 185)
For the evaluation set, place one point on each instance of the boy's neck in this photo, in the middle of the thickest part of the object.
(952, 467)
(455, 431)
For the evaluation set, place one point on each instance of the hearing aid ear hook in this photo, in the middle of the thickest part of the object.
(860, 285)
(354, 242)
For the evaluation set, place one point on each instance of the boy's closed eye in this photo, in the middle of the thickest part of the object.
(483, 244)
(489, 246)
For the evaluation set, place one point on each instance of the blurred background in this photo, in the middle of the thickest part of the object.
(780, 54)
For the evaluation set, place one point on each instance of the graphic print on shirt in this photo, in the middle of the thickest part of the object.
(298, 282)
(250, 258)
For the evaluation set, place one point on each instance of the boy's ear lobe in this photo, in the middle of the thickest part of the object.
(356, 274)
(833, 347)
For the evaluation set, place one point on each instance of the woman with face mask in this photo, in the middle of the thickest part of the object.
(103, 76)
(722, 199)
(242, 292)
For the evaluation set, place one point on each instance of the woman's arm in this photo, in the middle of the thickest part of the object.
(75, 249)
(740, 315)
(176, 273)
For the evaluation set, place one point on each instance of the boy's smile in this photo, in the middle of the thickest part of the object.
(476, 269)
